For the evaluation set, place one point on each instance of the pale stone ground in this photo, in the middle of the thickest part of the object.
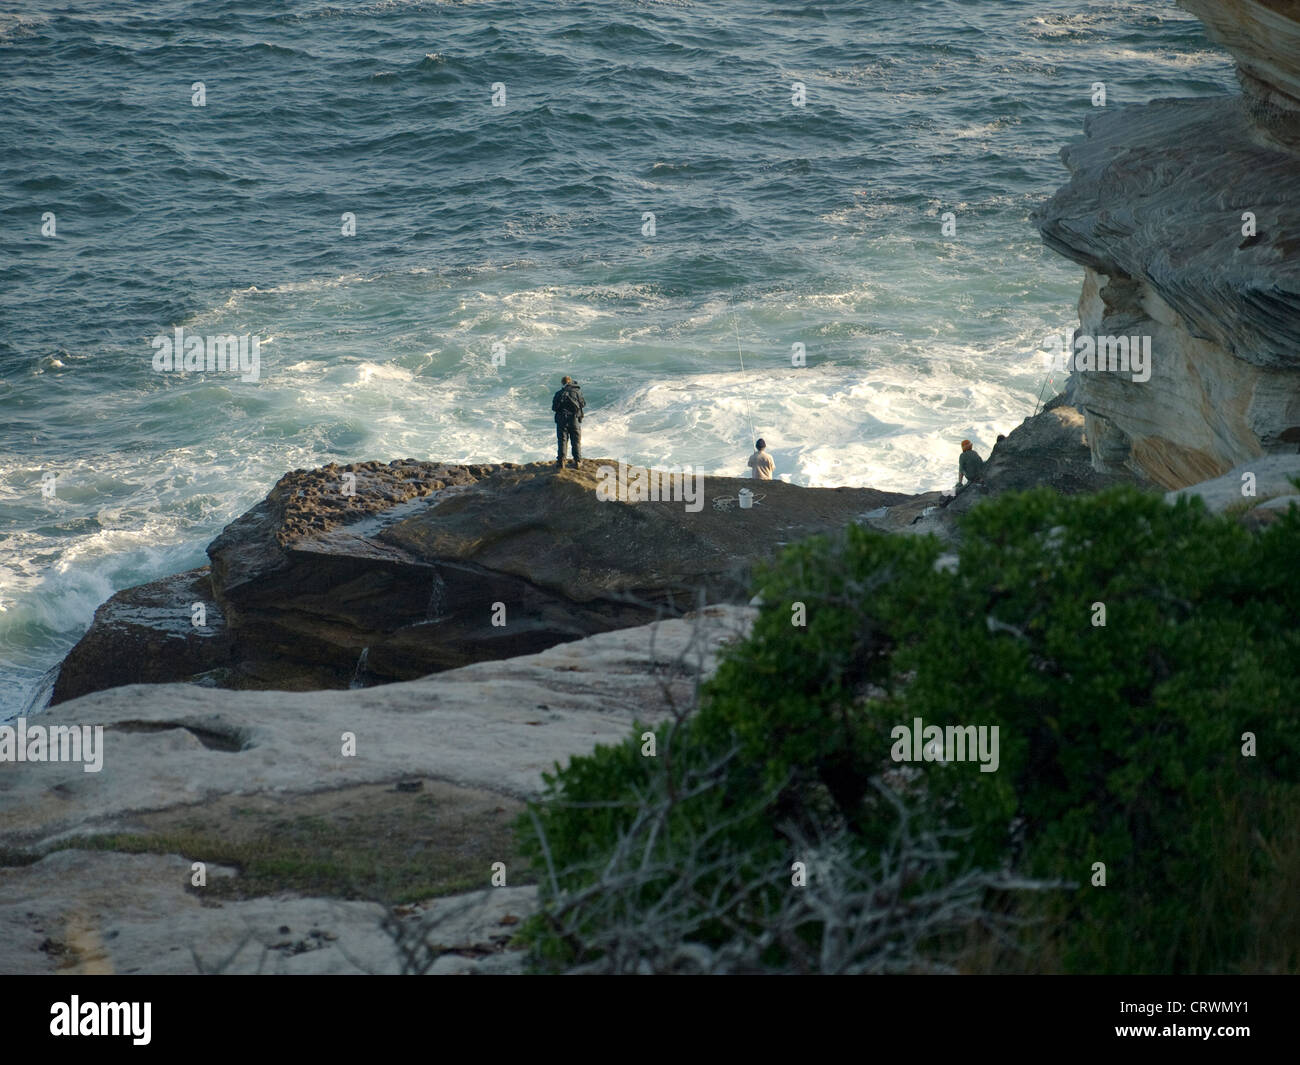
(102, 912)
(492, 728)
(1272, 489)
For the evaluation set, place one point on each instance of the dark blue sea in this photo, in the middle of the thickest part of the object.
(502, 242)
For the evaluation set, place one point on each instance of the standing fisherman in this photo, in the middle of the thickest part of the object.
(568, 406)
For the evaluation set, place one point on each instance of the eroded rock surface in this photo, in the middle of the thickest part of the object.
(1046, 450)
(147, 635)
(81, 912)
(1182, 213)
(1264, 37)
(493, 725)
(180, 755)
(1260, 484)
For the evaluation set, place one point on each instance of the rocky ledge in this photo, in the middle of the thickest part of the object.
(350, 576)
(97, 868)
(370, 573)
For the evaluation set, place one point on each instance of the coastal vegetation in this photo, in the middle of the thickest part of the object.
(1142, 664)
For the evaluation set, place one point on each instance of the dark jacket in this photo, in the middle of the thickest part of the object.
(971, 466)
(563, 410)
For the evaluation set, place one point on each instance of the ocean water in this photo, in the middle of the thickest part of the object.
(523, 226)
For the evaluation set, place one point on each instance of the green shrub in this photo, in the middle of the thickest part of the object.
(1119, 743)
(604, 806)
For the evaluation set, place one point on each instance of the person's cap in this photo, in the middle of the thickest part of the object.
(760, 444)
(965, 445)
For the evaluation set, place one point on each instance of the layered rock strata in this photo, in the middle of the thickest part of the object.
(1182, 214)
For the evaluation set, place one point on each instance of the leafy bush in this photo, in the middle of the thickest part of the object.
(600, 805)
(685, 876)
(1119, 743)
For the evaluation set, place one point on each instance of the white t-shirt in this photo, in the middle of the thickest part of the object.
(762, 465)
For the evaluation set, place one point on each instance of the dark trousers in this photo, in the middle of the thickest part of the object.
(568, 432)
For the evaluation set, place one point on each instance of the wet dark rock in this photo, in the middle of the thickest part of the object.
(370, 573)
(147, 635)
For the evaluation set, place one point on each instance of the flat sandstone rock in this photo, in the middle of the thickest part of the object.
(476, 740)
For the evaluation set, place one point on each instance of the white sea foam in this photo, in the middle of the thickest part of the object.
(912, 342)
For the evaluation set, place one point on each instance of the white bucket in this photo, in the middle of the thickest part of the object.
(746, 499)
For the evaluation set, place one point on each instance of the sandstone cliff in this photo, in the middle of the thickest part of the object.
(1182, 214)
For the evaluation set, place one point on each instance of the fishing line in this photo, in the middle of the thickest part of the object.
(1040, 394)
(753, 435)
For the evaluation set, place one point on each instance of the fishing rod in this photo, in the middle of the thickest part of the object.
(753, 435)
(1040, 393)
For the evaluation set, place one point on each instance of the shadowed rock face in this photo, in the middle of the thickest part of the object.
(1155, 212)
(370, 573)
(147, 635)
(1264, 38)
(1046, 450)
